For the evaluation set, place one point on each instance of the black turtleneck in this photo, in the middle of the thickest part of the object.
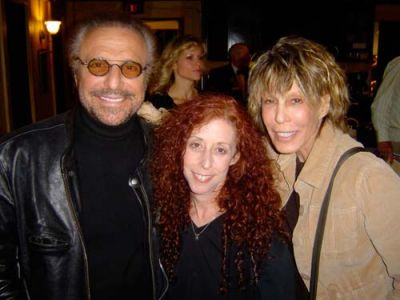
(111, 216)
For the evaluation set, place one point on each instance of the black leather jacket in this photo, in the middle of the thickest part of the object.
(42, 251)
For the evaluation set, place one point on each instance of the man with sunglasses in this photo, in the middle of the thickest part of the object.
(74, 205)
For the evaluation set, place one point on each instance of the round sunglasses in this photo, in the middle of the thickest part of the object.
(100, 67)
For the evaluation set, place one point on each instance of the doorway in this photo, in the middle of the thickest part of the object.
(17, 66)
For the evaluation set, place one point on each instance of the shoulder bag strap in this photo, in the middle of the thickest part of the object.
(321, 223)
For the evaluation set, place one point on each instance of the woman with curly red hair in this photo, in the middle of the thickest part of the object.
(216, 206)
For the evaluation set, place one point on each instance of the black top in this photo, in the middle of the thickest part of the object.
(292, 206)
(111, 217)
(162, 100)
(198, 272)
(291, 215)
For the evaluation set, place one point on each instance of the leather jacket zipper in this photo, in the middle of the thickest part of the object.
(134, 183)
(72, 208)
(164, 292)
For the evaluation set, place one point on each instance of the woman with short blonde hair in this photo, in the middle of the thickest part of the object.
(299, 98)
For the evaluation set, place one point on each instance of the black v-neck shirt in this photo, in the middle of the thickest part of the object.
(198, 272)
(199, 266)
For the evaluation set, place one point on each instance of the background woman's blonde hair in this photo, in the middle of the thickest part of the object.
(163, 76)
(310, 66)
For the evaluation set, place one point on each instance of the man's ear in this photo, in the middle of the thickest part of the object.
(325, 106)
(75, 78)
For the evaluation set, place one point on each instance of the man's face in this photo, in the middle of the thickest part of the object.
(241, 56)
(112, 99)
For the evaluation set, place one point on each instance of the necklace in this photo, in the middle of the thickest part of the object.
(197, 234)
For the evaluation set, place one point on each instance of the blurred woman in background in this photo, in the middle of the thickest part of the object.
(177, 72)
(175, 77)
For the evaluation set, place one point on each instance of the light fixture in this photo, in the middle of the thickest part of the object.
(53, 26)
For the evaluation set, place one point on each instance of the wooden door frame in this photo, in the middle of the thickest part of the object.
(5, 122)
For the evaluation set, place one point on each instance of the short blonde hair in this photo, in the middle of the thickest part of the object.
(310, 66)
(163, 76)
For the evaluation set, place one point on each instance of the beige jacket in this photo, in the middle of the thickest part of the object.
(360, 256)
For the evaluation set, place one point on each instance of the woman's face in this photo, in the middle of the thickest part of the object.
(190, 64)
(210, 151)
(292, 122)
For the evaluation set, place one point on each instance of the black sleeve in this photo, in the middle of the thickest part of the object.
(279, 277)
(161, 100)
(10, 283)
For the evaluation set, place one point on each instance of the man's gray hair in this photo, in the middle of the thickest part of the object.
(122, 20)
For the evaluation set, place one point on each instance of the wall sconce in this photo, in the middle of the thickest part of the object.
(53, 26)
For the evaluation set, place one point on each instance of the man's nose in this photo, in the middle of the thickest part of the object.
(114, 77)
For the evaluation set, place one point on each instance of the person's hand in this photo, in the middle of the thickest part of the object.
(151, 114)
(385, 150)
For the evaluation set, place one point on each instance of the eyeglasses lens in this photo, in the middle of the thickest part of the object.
(98, 67)
(131, 69)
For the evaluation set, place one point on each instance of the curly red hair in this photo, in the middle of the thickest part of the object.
(248, 196)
